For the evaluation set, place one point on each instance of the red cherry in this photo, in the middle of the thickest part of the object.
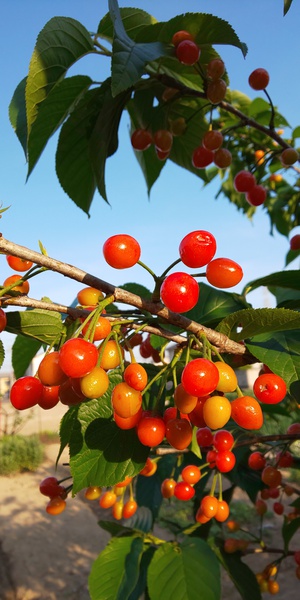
(26, 392)
(202, 157)
(197, 248)
(3, 320)
(77, 357)
(256, 461)
(121, 251)
(259, 79)
(184, 491)
(223, 273)
(187, 52)
(180, 36)
(225, 461)
(269, 388)
(200, 377)
(223, 440)
(163, 140)
(295, 242)
(141, 139)
(244, 181)
(257, 195)
(179, 292)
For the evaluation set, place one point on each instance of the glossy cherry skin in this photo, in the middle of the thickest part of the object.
(270, 388)
(26, 392)
(197, 248)
(200, 377)
(179, 292)
(121, 251)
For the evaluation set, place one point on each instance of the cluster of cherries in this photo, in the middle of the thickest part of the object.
(210, 150)
(269, 465)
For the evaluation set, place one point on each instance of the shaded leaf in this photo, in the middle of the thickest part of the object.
(296, 132)
(131, 570)
(73, 164)
(53, 111)
(136, 288)
(241, 575)
(129, 58)
(289, 528)
(24, 350)
(253, 321)
(286, 6)
(214, 305)
(139, 589)
(291, 255)
(60, 43)
(142, 520)
(280, 351)
(104, 136)
(189, 570)
(67, 424)
(42, 325)
(17, 113)
(2, 353)
(115, 528)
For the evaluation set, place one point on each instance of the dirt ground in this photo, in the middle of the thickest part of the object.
(49, 558)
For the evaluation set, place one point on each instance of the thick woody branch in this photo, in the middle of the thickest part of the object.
(221, 341)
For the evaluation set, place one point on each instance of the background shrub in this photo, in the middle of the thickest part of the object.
(20, 453)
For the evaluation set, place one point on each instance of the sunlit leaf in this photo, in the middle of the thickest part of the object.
(189, 570)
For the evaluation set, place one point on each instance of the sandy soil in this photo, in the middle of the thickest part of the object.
(44, 557)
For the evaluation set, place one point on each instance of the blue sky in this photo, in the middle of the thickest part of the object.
(40, 210)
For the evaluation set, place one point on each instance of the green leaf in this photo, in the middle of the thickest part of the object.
(73, 161)
(17, 114)
(288, 279)
(133, 19)
(53, 111)
(140, 109)
(115, 528)
(111, 571)
(2, 353)
(129, 58)
(148, 493)
(142, 520)
(140, 587)
(42, 325)
(189, 570)
(243, 477)
(100, 452)
(67, 424)
(291, 255)
(60, 43)
(136, 288)
(261, 320)
(104, 136)
(23, 351)
(289, 528)
(207, 30)
(86, 139)
(241, 575)
(280, 351)
(131, 570)
(214, 305)
(296, 132)
(286, 6)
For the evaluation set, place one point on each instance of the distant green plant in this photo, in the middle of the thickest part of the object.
(20, 453)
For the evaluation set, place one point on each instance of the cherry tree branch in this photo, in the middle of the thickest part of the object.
(270, 132)
(76, 313)
(221, 341)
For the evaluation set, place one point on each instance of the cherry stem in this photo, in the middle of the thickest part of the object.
(155, 277)
(173, 264)
(272, 120)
